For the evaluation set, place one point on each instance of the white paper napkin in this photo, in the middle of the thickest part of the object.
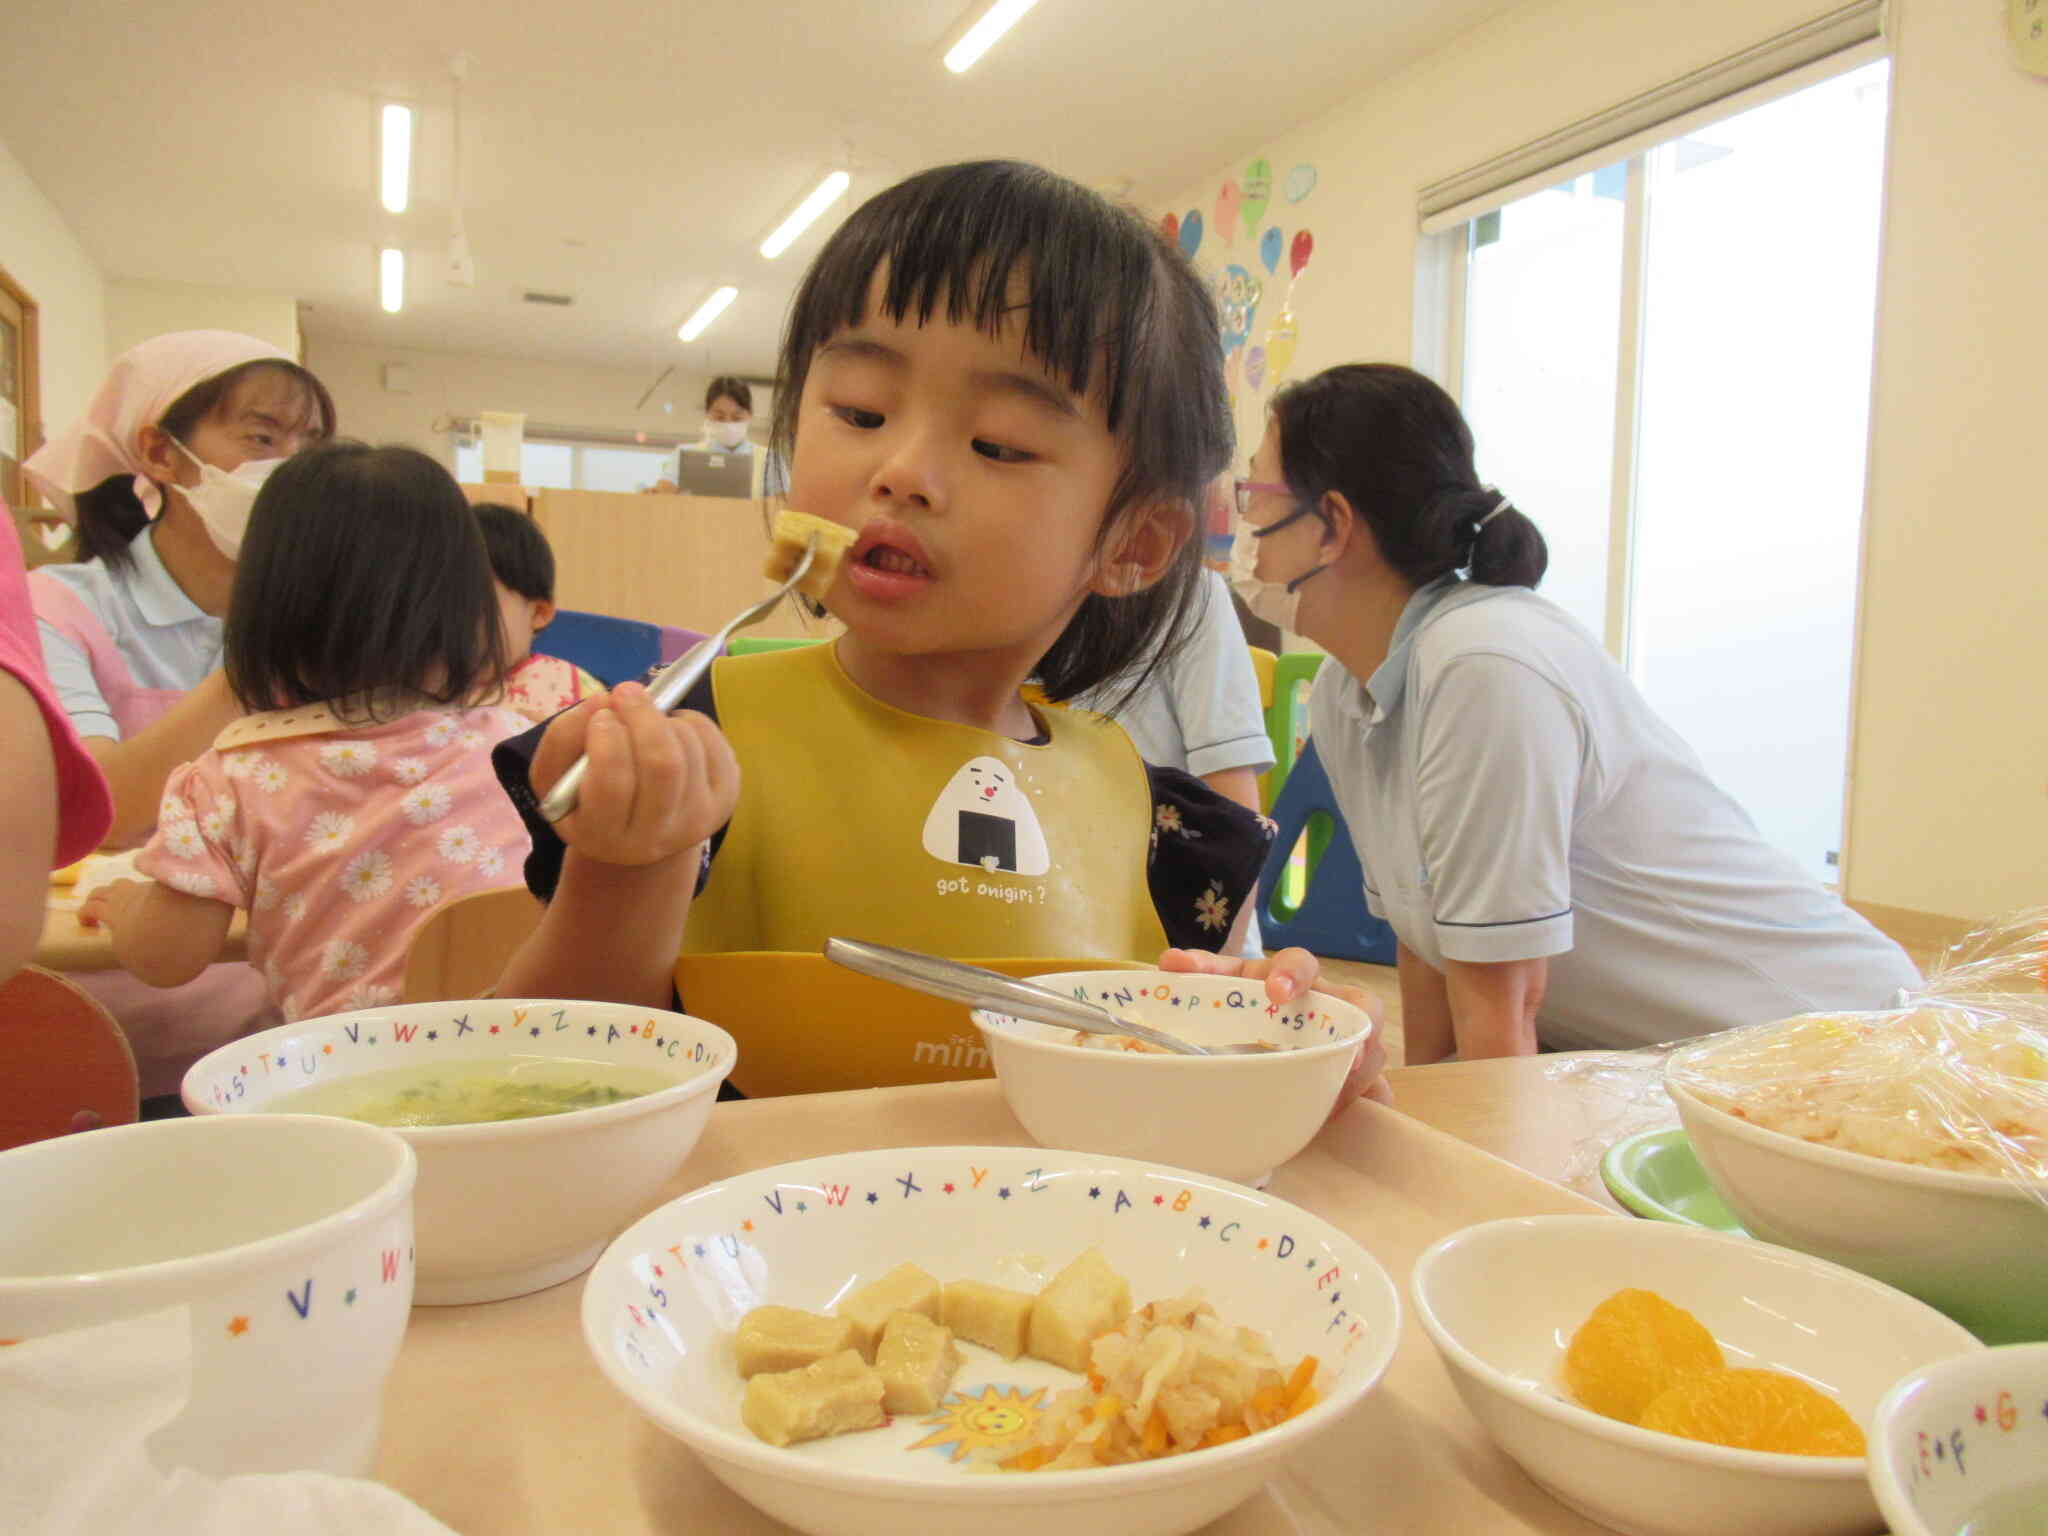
(76, 1411)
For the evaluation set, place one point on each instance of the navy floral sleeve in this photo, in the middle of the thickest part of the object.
(1207, 851)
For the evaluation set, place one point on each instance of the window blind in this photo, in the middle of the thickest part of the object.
(1843, 38)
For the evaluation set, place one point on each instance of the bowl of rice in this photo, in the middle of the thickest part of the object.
(1911, 1145)
(1088, 1343)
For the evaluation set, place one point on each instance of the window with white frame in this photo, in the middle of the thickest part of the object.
(1666, 362)
(571, 466)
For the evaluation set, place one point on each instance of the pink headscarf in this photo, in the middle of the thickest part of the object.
(144, 382)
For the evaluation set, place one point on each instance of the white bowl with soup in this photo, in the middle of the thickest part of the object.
(542, 1127)
(247, 1279)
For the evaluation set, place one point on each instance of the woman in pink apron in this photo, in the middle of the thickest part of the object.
(158, 476)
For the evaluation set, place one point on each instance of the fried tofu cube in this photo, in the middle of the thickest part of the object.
(832, 1396)
(785, 1339)
(916, 1360)
(791, 535)
(992, 1316)
(906, 1288)
(1084, 1301)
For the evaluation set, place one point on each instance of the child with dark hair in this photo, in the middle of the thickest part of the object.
(1555, 863)
(537, 686)
(1011, 390)
(357, 795)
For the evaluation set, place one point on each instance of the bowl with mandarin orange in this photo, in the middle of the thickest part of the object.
(1671, 1381)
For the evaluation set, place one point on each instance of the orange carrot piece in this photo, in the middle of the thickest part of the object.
(1308, 1399)
(1155, 1433)
(1223, 1434)
(1303, 1378)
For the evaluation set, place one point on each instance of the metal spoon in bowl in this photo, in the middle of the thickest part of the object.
(980, 988)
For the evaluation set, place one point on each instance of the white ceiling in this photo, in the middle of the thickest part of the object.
(630, 154)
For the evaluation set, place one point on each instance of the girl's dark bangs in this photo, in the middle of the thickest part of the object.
(963, 244)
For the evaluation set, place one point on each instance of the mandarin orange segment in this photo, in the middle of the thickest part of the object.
(1634, 1346)
(1756, 1410)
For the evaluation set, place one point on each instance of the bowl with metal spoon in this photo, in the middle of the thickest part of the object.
(1235, 1114)
(979, 987)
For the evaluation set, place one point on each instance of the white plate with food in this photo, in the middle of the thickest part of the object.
(1038, 1254)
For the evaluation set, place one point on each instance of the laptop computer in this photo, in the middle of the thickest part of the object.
(715, 474)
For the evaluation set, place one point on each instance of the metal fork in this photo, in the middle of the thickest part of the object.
(673, 683)
(979, 988)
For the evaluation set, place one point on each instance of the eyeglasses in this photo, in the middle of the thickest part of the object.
(1245, 488)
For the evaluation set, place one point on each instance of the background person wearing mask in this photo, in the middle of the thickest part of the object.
(159, 475)
(728, 414)
(1553, 858)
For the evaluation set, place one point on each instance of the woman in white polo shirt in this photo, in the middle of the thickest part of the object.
(159, 475)
(1554, 860)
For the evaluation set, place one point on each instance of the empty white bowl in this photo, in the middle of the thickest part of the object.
(661, 1305)
(1975, 1245)
(287, 1243)
(1502, 1300)
(1237, 1117)
(509, 1206)
(1961, 1442)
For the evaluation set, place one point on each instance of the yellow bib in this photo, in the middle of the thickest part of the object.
(859, 820)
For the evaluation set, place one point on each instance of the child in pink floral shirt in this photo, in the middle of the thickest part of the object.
(364, 612)
(538, 686)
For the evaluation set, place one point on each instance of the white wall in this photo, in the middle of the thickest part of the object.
(45, 259)
(1949, 799)
(138, 310)
(1948, 807)
(445, 384)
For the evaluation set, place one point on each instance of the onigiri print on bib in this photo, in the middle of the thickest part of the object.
(983, 819)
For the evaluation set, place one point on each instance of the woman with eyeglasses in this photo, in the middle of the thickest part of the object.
(1555, 862)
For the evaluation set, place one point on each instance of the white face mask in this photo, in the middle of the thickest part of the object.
(223, 498)
(726, 434)
(1274, 601)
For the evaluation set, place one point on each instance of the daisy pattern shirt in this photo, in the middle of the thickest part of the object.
(541, 687)
(337, 839)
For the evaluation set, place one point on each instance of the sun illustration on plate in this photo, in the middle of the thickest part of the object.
(999, 1415)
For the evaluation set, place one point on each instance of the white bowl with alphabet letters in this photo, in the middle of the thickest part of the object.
(239, 1286)
(505, 1206)
(662, 1305)
(1237, 1117)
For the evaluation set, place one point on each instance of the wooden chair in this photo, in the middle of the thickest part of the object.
(462, 946)
(64, 1055)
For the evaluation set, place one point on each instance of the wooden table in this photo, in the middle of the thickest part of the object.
(497, 1421)
(66, 945)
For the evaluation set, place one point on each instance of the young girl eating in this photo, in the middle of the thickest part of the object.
(364, 635)
(1011, 390)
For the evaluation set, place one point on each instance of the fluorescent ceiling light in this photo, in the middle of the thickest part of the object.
(823, 196)
(395, 180)
(981, 37)
(391, 279)
(707, 312)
